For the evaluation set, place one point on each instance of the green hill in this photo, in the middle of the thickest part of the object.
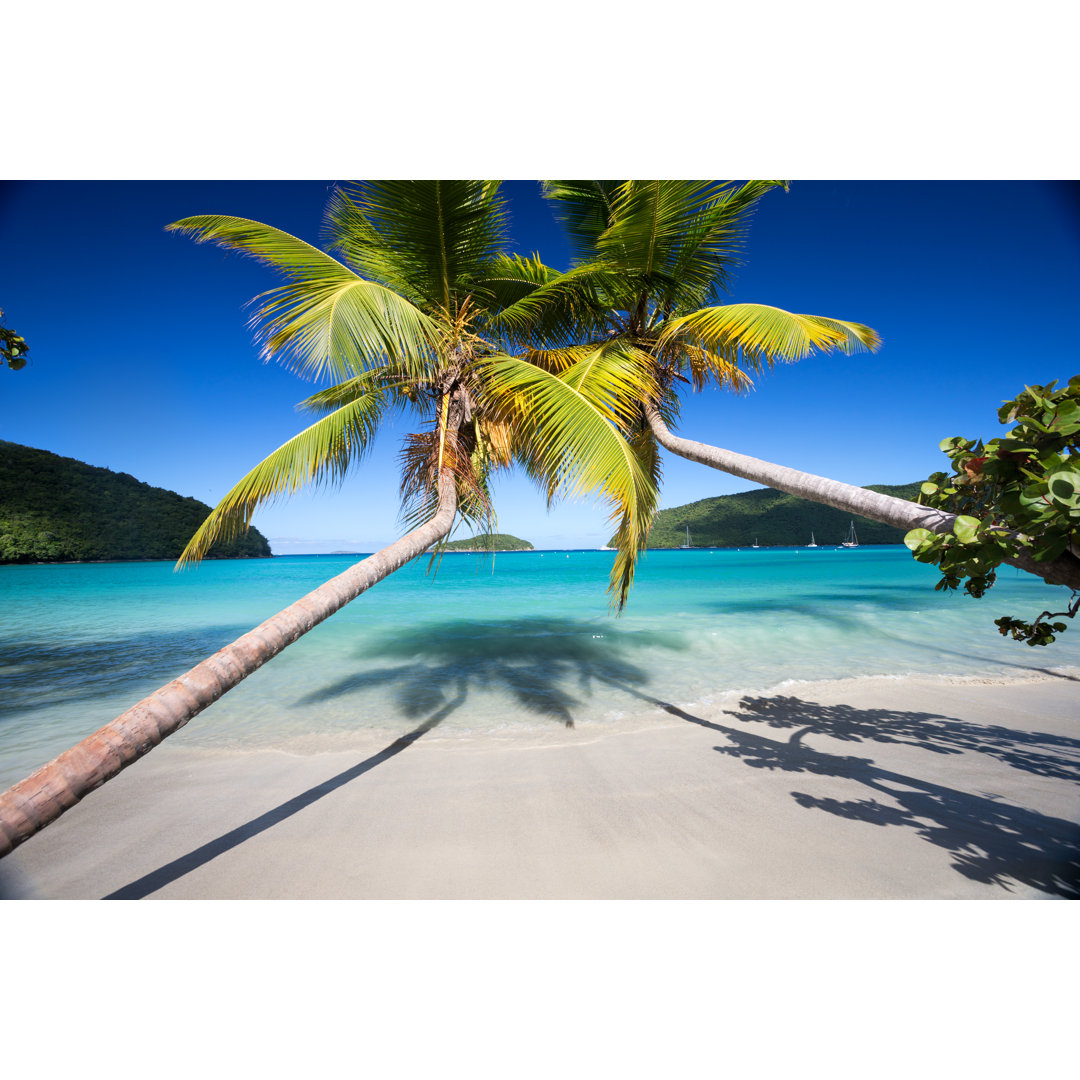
(490, 542)
(772, 518)
(56, 509)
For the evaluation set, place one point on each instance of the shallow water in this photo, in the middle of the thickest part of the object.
(485, 645)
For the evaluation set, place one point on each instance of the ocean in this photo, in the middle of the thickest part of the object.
(486, 645)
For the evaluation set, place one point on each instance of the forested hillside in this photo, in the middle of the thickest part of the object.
(490, 542)
(772, 518)
(56, 509)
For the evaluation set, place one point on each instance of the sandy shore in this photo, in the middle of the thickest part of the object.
(857, 789)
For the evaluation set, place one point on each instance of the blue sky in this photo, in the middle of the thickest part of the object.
(142, 361)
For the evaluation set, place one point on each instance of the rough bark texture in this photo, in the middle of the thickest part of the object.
(43, 796)
(871, 504)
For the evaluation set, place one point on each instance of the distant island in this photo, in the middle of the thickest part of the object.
(487, 542)
(771, 519)
(57, 509)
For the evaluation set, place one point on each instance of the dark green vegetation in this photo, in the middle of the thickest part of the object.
(56, 509)
(490, 542)
(772, 518)
(1019, 492)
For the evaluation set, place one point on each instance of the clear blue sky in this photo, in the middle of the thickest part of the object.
(142, 361)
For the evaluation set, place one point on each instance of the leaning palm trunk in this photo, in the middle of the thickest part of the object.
(41, 798)
(869, 504)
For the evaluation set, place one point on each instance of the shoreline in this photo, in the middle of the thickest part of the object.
(113, 562)
(453, 551)
(900, 787)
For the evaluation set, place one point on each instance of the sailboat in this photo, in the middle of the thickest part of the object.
(687, 544)
(811, 544)
(852, 540)
(756, 544)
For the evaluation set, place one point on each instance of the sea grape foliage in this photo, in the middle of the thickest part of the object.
(13, 347)
(1020, 492)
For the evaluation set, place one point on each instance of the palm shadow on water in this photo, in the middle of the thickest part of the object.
(990, 840)
(536, 660)
(545, 666)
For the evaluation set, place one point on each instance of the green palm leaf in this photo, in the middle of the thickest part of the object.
(319, 454)
(508, 278)
(559, 307)
(673, 242)
(701, 261)
(568, 442)
(586, 209)
(719, 367)
(428, 239)
(614, 377)
(398, 387)
(763, 335)
(651, 218)
(327, 317)
(557, 360)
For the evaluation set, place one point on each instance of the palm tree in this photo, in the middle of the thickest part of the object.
(422, 314)
(652, 258)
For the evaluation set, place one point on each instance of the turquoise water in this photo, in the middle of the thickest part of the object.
(485, 646)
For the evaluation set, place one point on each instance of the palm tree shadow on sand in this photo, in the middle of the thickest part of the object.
(171, 871)
(537, 661)
(990, 840)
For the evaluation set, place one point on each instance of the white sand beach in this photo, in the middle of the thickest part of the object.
(900, 788)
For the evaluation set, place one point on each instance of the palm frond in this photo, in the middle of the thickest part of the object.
(428, 239)
(568, 442)
(327, 317)
(510, 277)
(559, 308)
(702, 261)
(495, 443)
(321, 453)
(650, 215)
(557, 360)
(585, 208)
(650, 222)
(397, 386)
(764, 335)
(718, 367)
(614, 377)
(647, 451)
(288, 254)
(854, 337)
(675, 241)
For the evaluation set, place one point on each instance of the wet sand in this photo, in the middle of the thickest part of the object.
(913, 788)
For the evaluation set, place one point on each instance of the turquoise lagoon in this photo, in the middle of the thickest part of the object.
(501, 645)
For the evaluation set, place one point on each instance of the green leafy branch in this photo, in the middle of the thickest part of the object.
(1020, 492)
(13, 347)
